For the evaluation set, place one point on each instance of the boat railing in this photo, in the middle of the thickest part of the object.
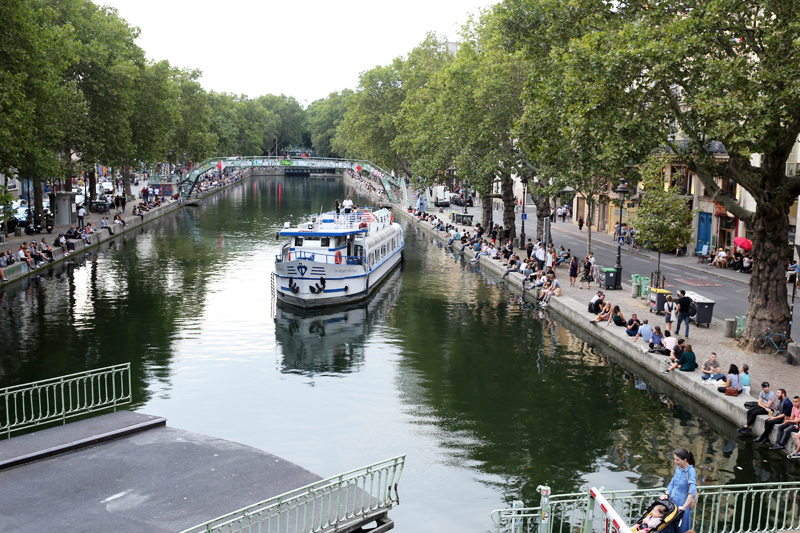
(321, 257)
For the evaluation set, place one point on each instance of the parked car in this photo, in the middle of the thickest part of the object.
(440, 196)
(12, 223)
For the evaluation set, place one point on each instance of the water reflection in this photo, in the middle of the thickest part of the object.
(332, 341)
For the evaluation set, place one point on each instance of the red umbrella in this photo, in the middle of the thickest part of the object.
(744, 244)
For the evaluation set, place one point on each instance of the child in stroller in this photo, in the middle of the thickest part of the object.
(661, 516)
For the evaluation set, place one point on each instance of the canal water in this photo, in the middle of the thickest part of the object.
(488, 397)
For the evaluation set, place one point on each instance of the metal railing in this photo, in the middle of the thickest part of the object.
(57, 399)
(317, 257)
(189, 179)
(765, 507)
(329, 504)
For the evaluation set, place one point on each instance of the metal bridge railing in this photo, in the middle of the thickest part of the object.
(329, 504)
(57, 399)
(755, 508)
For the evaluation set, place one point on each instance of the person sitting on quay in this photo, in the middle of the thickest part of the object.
(745, 376)
(119, 220)
(37, 255)
(3, 264)
(645, 332)
(767, 401)
(778, 415)
(633, 324)
(596, 303)
(656, 340)
(23, 255)
(617, 318)
(668, 343)
(711, 369)
(104, 225)
(796, 453)
(789, 426)
(553, 289)
(604, 315)
(687, 362)
(513, 265)
(733, 383)
(45, 249)
(65, 244)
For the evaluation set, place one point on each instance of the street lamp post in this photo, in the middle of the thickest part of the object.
(524, 181)
(622, 190)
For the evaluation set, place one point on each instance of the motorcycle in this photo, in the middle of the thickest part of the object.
(35, 226)
(49, 223)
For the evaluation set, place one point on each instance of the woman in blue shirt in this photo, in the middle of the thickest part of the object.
(682, 490)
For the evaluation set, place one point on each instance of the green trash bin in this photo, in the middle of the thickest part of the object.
(636, 287)
(644, 283)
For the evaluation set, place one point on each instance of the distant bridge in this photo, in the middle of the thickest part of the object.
(395, 188)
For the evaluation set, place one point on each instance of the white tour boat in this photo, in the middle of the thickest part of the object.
(337, 259)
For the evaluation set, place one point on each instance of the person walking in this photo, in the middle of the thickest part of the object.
(573, 271)
(682, 490)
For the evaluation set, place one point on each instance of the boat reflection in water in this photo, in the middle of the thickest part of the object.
(331, 340)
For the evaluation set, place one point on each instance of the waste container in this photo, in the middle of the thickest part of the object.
(635, 286)
(644, 281)
(705, 308)
(608, 277)
(18, 231)
(657, 298)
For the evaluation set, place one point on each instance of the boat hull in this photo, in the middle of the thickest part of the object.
(298, 282)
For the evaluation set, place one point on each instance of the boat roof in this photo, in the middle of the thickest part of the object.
(297, 232)
(330, 224)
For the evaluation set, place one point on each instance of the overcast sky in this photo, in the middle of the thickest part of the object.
(302, 49)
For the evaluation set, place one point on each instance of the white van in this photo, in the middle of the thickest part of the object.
(441, 196)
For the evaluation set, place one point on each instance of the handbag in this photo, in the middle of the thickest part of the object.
(750, 405)
(731, 391)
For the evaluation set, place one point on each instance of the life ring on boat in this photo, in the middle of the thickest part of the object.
(391, 215)
(363, 225)
(338, 257)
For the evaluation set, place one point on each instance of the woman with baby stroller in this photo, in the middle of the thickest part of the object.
(682, 490)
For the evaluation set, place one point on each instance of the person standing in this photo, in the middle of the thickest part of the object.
(682, 490)
(684, 303)
(81, 214)
(580, 224)
(348, 205)
(573, 270)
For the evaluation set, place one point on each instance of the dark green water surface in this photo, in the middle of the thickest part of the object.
(487, 397)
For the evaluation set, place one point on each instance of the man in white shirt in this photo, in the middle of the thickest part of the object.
(81, 214)
(348, 205)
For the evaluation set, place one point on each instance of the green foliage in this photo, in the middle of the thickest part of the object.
(324, 116)
(663, 219)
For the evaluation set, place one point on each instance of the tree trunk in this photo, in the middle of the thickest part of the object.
(542, 204)
(768, 300)
(92, 188)
(658, 273)
(38, 204)
(127, 178)
(509, 206)
(486, 212)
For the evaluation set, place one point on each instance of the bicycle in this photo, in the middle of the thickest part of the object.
(770, 343)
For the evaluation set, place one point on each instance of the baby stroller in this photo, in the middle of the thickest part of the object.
(670, 521)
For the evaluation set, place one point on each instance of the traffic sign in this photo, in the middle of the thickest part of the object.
(524, 216)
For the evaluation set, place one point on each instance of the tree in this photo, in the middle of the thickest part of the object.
(693, 76)
(323, 117)
(193, 135)
(663, 219)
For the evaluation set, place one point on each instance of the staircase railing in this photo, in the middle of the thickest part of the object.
(328, 505)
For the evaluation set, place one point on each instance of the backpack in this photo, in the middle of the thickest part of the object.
(692, 309)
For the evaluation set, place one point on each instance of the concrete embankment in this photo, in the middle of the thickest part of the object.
(571, 308)
(20, 270)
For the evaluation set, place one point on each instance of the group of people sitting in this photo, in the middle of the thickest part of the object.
(211, 180)
(32, 254)
(782, 413)
(365, 183)
(740, 261)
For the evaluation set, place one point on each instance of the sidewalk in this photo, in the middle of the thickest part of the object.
(574, 301)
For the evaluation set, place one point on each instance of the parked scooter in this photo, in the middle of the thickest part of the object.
(35, 226)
